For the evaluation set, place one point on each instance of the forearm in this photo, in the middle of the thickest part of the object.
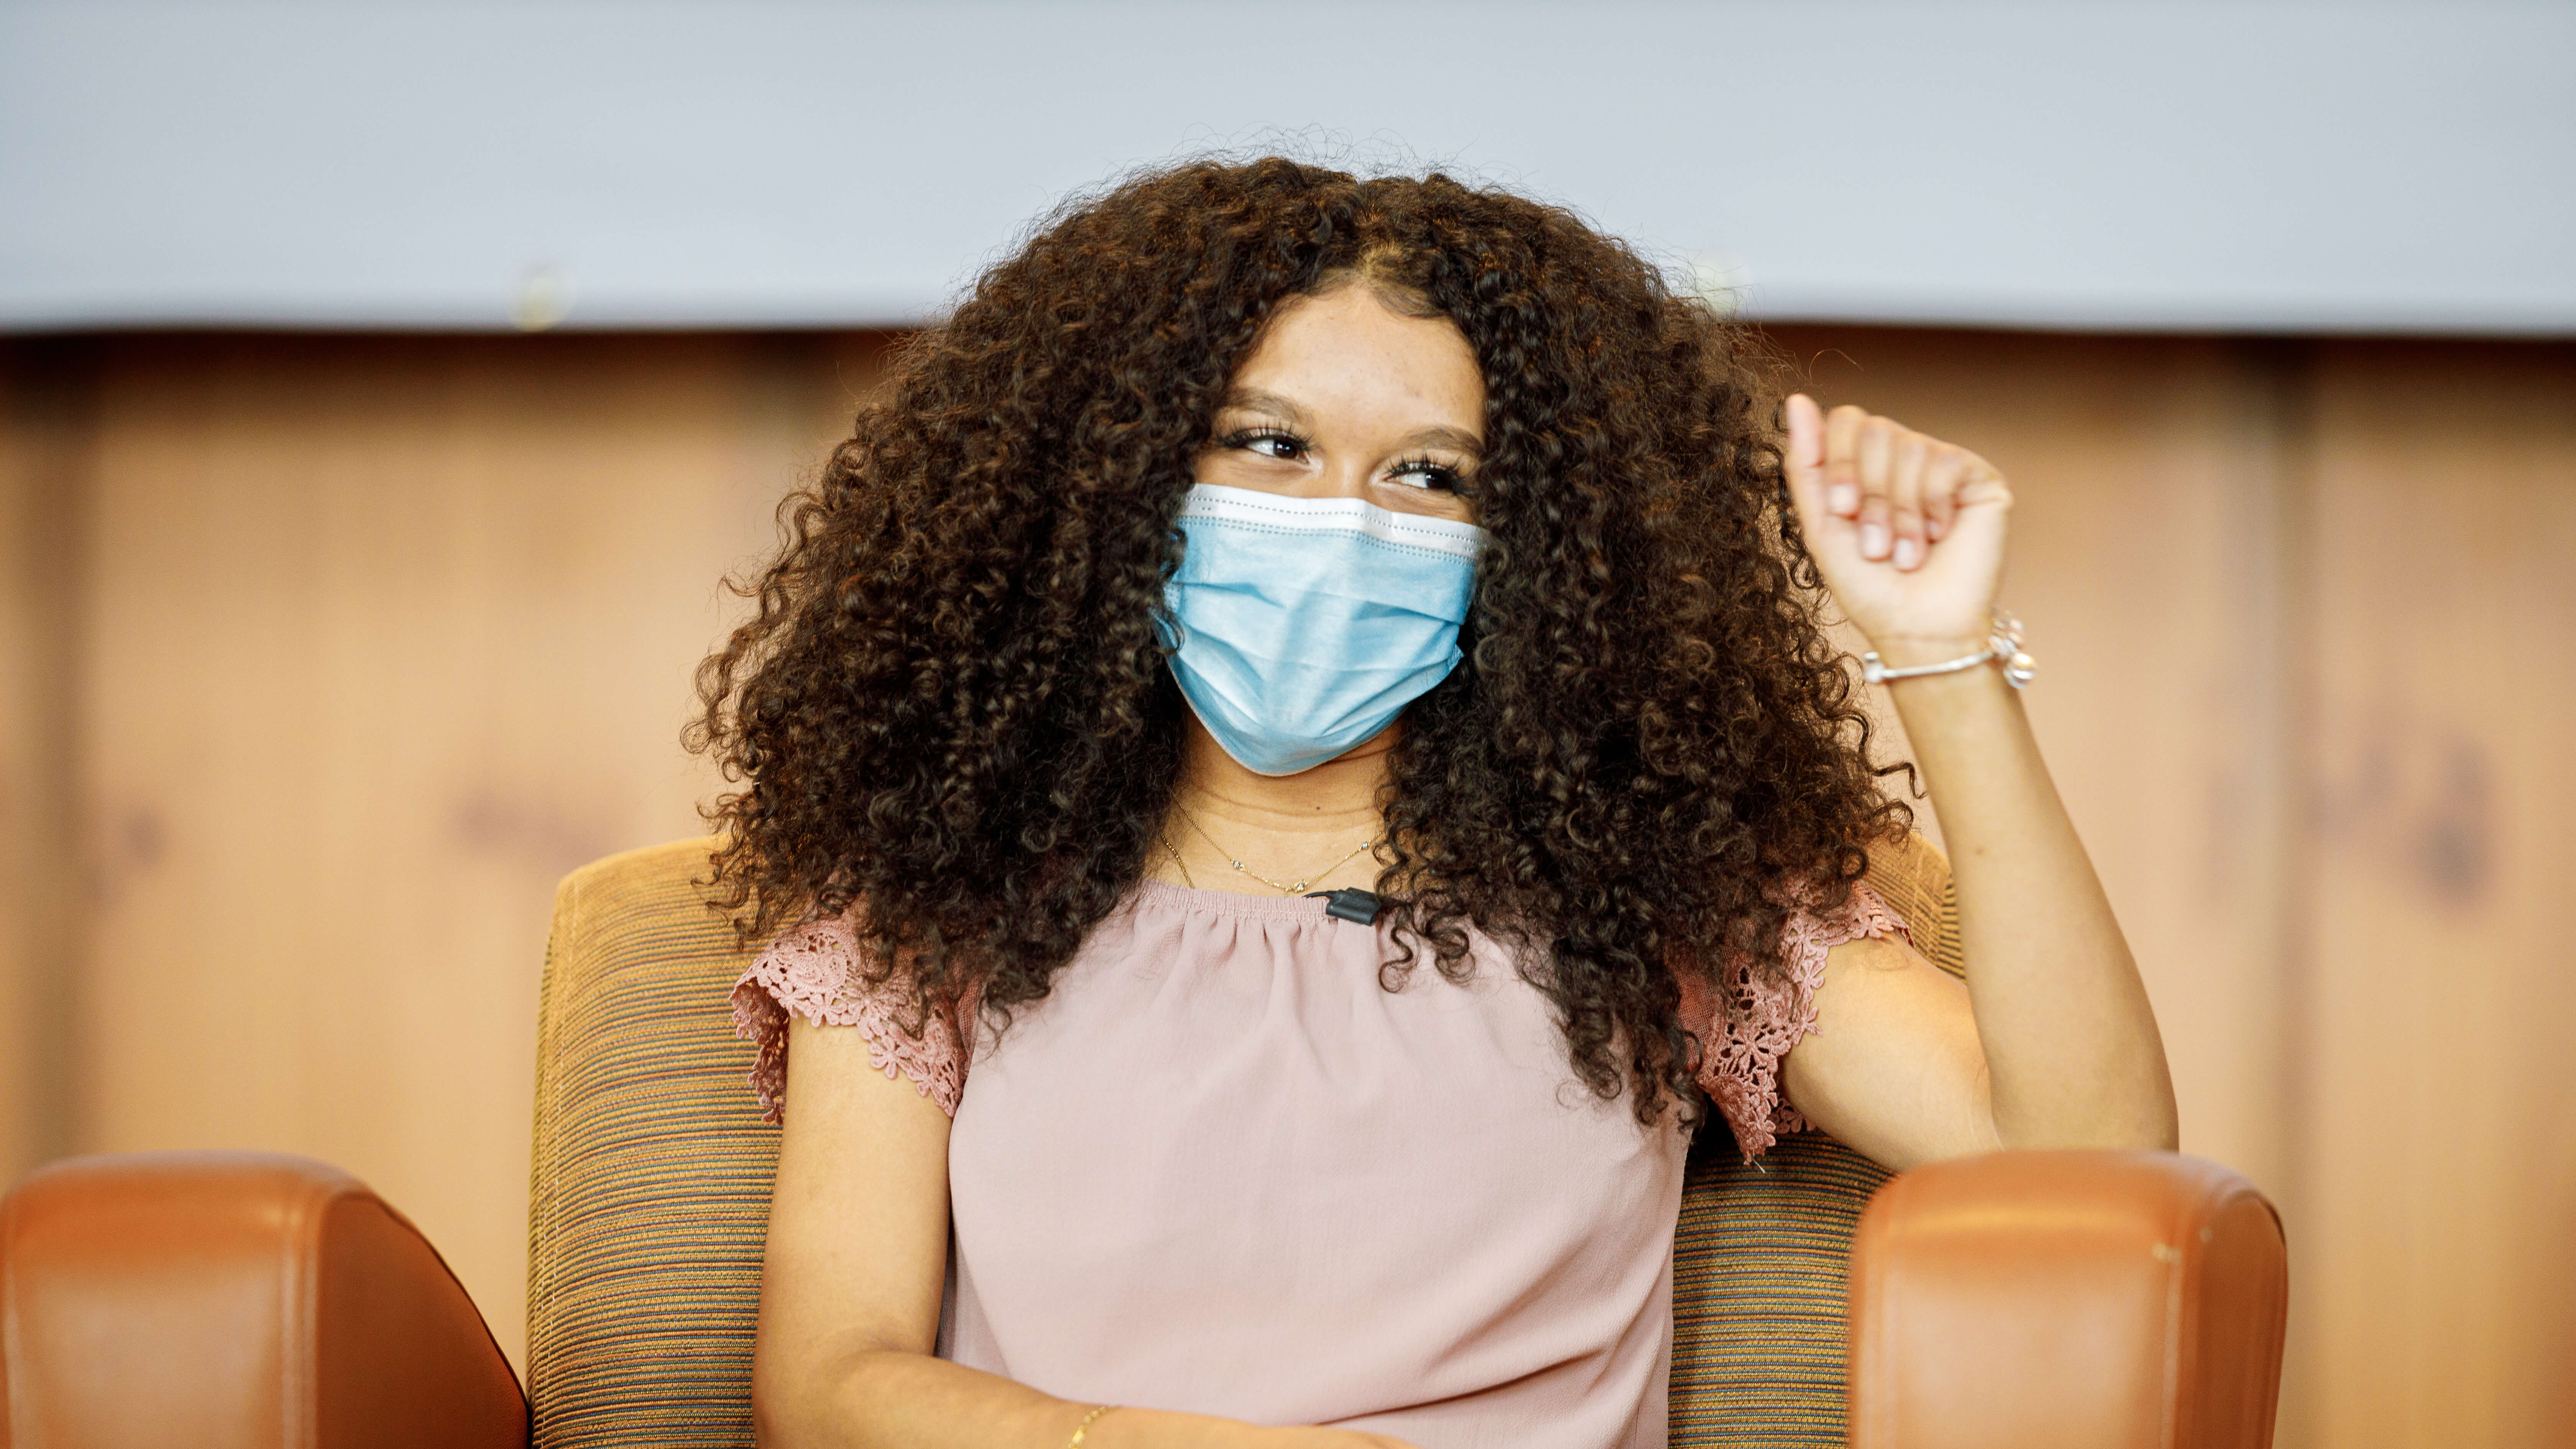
(2070, 1040)
(894, 1400)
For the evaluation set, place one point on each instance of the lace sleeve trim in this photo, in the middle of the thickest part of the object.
(1760, 1020)
(812, 971)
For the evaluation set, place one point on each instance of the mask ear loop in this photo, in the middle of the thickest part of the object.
(1168, 629)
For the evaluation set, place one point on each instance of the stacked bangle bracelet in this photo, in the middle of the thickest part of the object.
(2003, 645)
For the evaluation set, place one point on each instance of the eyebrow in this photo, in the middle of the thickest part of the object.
(1450, 438)
(1252, 401)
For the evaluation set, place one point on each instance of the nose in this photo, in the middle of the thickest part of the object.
(1347, 475)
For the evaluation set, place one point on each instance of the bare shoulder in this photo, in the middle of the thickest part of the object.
(1879, 988)
(1864, 955)
(838, 1046)
(841, 1098)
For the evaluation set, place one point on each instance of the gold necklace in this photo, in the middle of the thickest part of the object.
(1285, 888)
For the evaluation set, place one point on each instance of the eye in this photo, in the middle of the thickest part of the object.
(1267, 443)
(1424, 473)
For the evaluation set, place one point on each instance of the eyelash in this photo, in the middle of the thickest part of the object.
(1249, 436)
(1435, 475)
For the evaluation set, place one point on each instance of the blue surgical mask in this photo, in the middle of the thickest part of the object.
(1306, 625)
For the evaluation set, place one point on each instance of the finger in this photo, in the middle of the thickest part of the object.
(1911, 452)
(1874, 454)
(1804, 458)
(1984, 487)
(1942, 479)
(1842, 459)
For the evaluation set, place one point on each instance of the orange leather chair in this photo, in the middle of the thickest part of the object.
(233, 1300)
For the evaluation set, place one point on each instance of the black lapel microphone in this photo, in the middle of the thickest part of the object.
(1350, 903)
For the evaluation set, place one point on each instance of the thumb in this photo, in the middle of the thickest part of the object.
(1803, 460)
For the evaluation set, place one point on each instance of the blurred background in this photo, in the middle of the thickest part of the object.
(385, 389)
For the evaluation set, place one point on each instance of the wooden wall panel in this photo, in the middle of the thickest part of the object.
(44, 438)
(382, 638)
(328, 656)
(2435, 1229)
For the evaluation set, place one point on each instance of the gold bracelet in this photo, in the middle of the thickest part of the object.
(1085, 1426)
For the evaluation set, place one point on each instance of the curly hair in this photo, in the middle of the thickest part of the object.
(951, 702)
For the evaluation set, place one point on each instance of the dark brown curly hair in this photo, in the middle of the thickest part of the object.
(951, 702)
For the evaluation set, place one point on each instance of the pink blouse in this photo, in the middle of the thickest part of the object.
(1220, 1168)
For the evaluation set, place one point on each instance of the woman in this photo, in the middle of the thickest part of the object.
(1269, 584)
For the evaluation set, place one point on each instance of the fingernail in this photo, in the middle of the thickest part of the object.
(1907, 552)
(1873, 540)
(1843, 497)
(1933, 530)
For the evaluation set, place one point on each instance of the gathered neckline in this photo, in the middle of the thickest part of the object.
(1297, 908)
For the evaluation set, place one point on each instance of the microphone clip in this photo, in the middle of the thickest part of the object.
(1350, 903)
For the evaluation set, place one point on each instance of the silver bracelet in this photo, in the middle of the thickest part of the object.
(2003, 645)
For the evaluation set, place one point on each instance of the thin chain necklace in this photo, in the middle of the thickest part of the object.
(1284, 887)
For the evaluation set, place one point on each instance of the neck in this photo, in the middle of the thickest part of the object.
(1286, 827)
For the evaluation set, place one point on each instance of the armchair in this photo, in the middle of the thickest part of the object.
(238, 1299)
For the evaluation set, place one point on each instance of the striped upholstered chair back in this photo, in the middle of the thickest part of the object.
(650, 1193)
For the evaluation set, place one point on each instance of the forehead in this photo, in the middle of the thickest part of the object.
(1346, 350)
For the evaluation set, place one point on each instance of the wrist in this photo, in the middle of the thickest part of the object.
(1082, 1426)
(1933, 656)
(1906, 651)
(1140, 1428)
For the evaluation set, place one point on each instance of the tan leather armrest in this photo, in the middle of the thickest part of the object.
(2067, 1298)
(235, 1300)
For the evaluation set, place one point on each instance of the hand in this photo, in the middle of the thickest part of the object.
(1907, 530)
(1334, 1439)
(1161, 1429)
